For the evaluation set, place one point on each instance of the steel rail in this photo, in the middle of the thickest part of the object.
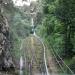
(45, 62)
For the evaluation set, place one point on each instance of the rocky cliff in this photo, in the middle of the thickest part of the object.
(5, 56)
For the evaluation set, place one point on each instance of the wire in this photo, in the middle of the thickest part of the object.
(57, 61)
(63, 62)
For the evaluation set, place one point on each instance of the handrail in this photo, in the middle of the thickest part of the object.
(57, 61)
(63, 61)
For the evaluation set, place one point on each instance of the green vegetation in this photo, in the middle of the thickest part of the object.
(55, 24)
(20, 29)
(58, 29)
(19, 26)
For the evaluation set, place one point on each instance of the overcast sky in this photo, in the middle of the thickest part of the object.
(22, 3)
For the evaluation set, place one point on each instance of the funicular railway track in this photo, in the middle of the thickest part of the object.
(35, 61)
(35, 56)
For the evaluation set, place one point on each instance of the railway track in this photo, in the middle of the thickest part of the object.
(35, 60)
(35, 56)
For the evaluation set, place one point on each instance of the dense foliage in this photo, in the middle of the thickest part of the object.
(19, 28)
(55, 21)
(57, 27)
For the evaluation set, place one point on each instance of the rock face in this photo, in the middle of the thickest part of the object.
(5, 57)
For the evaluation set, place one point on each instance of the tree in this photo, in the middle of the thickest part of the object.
(66, 14)
(58, 24)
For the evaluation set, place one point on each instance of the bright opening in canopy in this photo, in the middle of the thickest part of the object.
(22, 2)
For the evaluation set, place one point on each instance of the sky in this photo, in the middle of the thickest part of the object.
(22, 3)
